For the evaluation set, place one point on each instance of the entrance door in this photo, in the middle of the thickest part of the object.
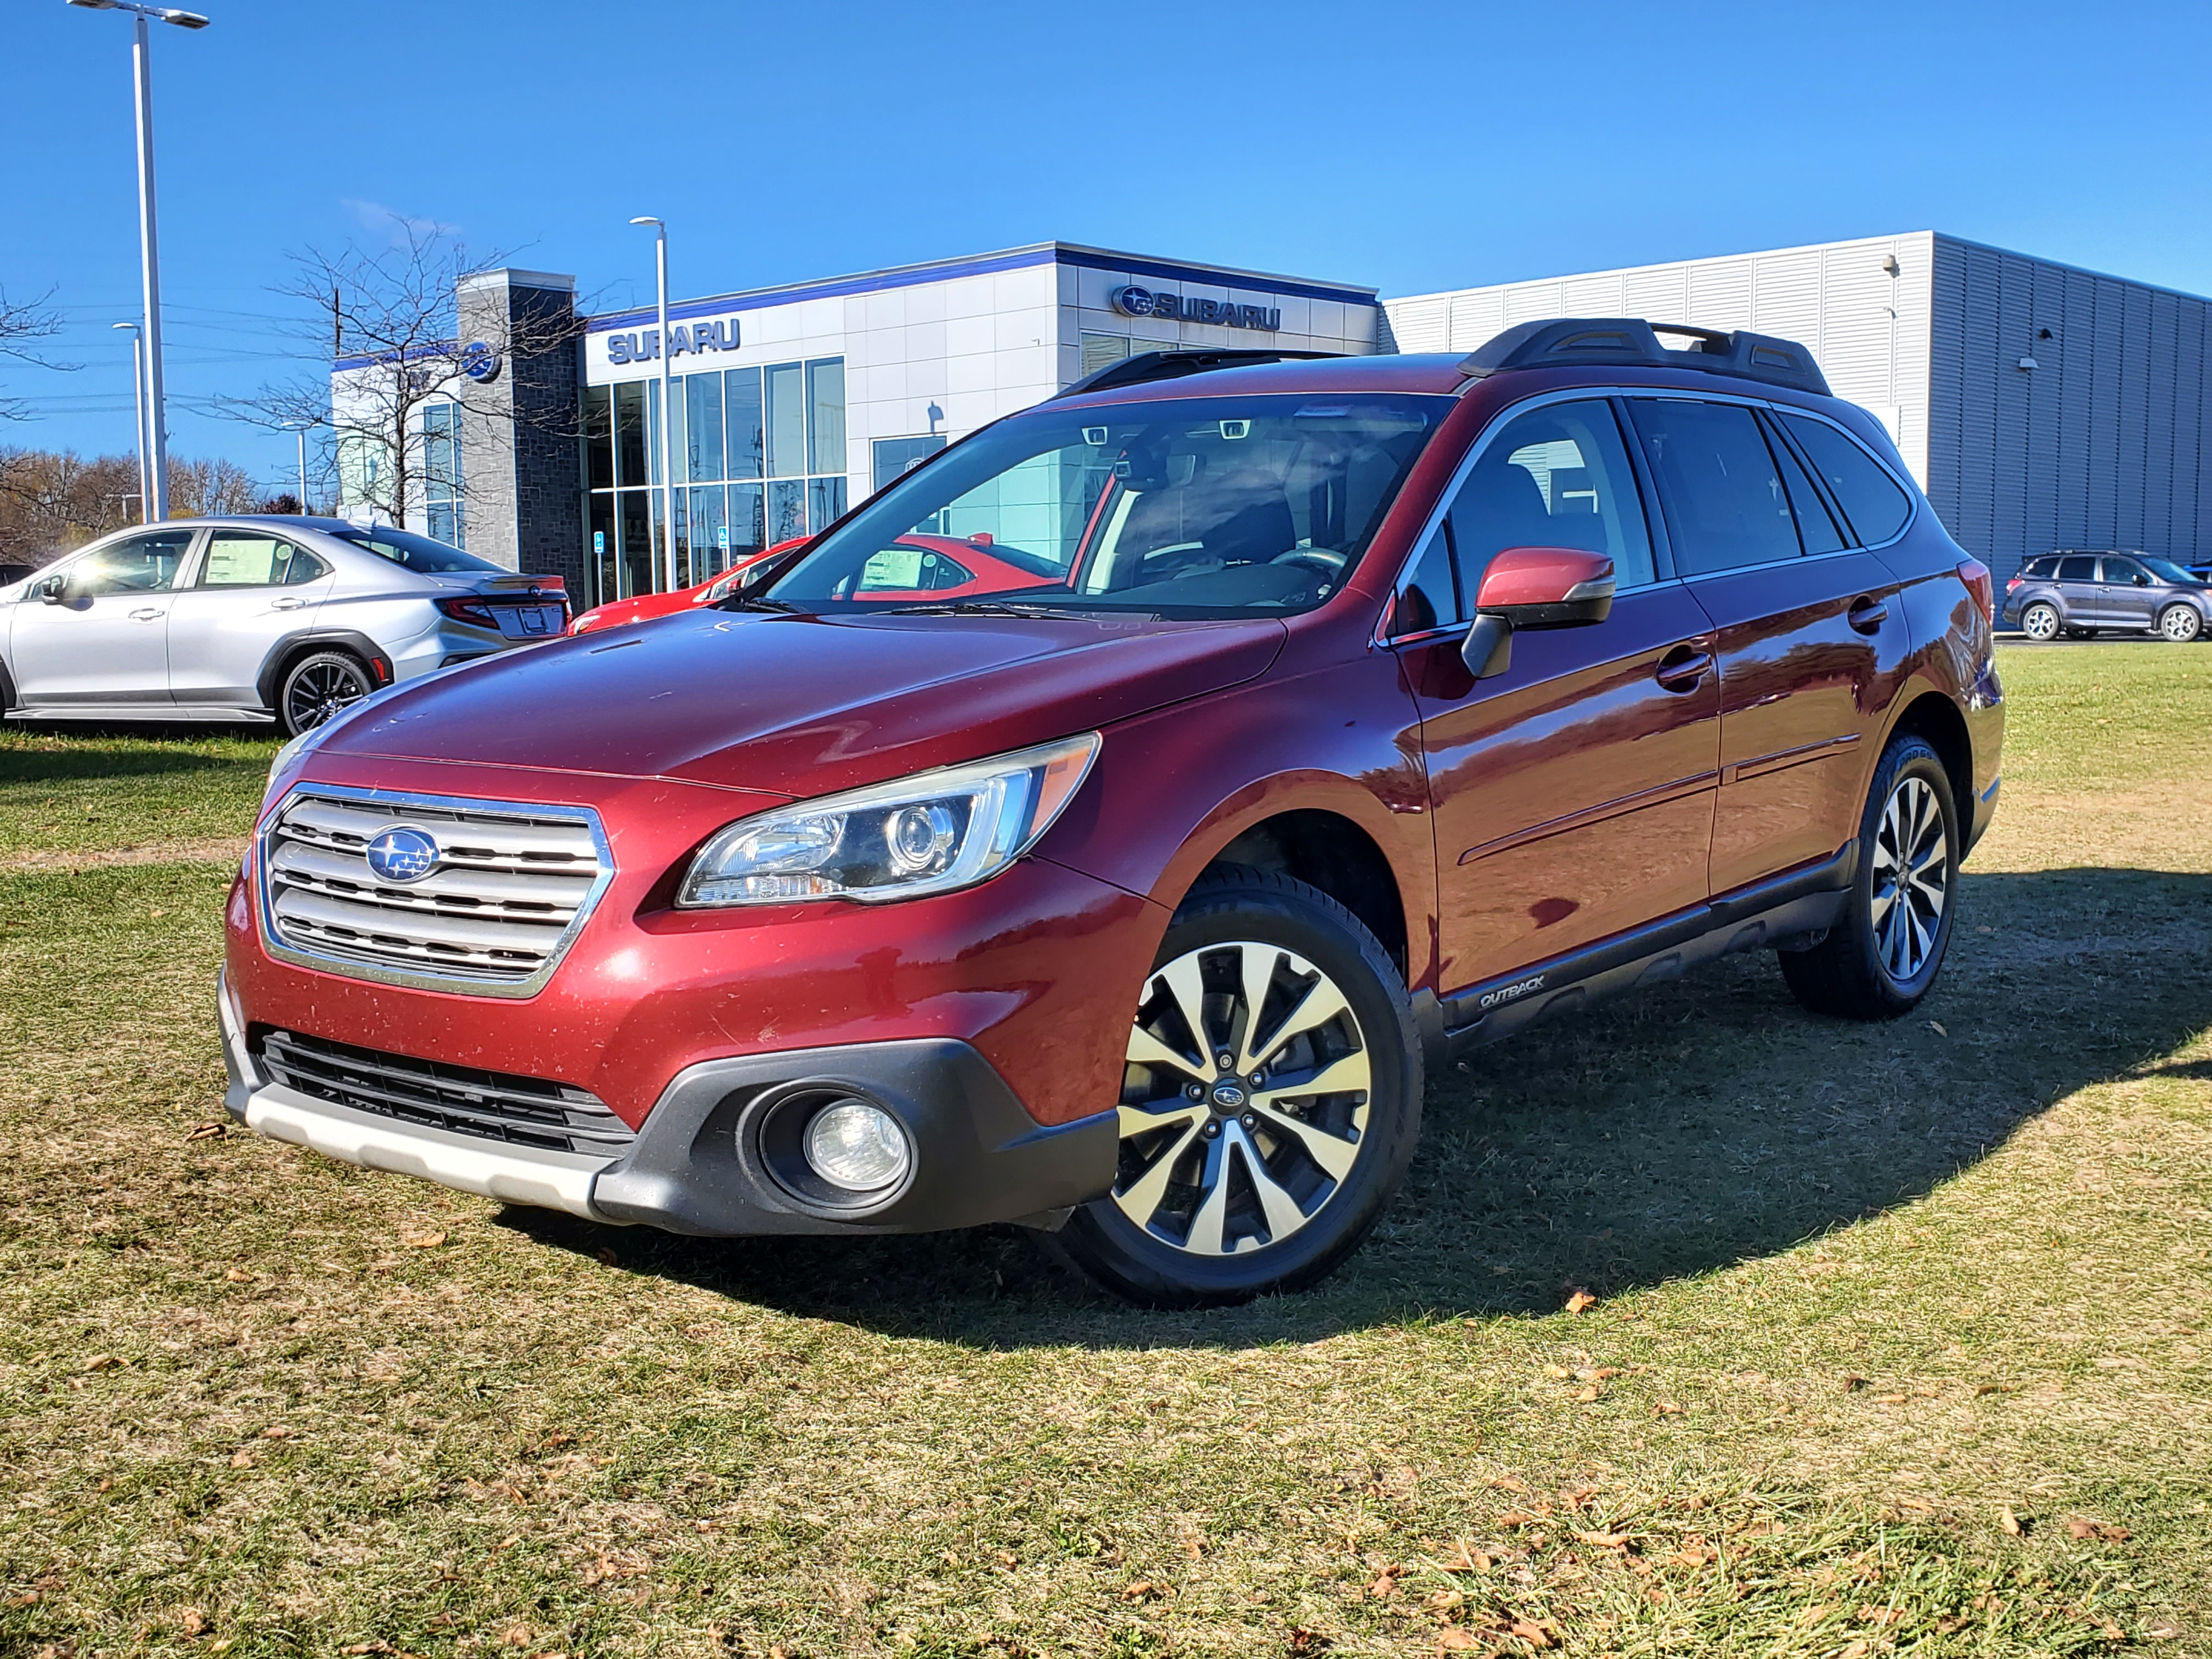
(1807, 626)
(105, 642)
(252, 589)
(1572, 795)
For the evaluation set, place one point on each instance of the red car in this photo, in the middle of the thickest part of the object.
(1355, 712)
(926, 564)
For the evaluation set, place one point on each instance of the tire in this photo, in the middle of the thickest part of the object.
(1884, 952)
(2177, 624)
(318, 686)
(2041, 622)
(1247, 1190)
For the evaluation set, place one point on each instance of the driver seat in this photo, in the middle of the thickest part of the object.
(1240, 518)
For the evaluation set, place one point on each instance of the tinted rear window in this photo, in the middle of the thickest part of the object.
(417, 553)
(2079, 568)
(1724, 494)
(1870, 498)
(2038, 569)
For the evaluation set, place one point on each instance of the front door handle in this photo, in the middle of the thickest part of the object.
(1868, 616)
(288, 603)
(1680, 669)
(147, 613)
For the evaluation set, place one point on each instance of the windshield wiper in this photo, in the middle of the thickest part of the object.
(751, 603)
(982, 608)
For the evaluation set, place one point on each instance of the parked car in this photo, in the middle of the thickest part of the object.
(919, 563)
(641, 607)
(1362, 712)
(2081, 595)
(254, 619)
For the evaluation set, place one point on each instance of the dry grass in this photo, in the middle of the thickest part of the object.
(1898, 1343)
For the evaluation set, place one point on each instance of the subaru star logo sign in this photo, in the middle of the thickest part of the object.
(479, 361)
(401, 854)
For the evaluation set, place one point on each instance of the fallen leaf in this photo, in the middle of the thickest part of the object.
(1456, 1638)
(1507, 1483)
(2162, 1630)
(2112, 1632)
(241, 1459)
(102, 1362)
(1558, 1373)
(1008, 1558)
(508, 1543)
(1536, 1636)
(1579, 1300)
(1981, 1388)
(1891, 1399)
(2009, 1521)
(1309, 1641)
(1464, 1560)
(275, 1432)
(1669, 1408)
(424, 1242)
(208, 1131)
(1385, 1585)
(1853, 1382)
(1870, 1614)
(190, 1621)
(1144, 1589)
(2081, 1526)
(1588, 1396)
(1604, 1540)
(1936, 1026)
(238, 1275)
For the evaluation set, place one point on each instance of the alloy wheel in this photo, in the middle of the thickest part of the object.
(320, 691)
(2179, 623)
(2040, 624)
(1911, 879)
(1244, 1100)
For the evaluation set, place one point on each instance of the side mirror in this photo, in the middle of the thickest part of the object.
(1533, 588)
(52, 590)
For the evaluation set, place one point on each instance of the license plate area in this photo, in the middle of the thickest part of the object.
(529, 621)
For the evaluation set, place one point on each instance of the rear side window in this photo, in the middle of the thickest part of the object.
(1556, 477)
(1870, 498)
(1816, 525)
(251, 558)
(1725, 499)
(2038, 569)
(417, 553)
(2077, 567)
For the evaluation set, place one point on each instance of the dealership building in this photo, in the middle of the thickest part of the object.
(2039, 405)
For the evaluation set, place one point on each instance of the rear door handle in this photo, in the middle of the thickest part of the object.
(1680, 669)
(288, 603)
(147, 613)
(1868, 614)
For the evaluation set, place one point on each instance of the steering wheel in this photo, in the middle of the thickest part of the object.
(1327, 560)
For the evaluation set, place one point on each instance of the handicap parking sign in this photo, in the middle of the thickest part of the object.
(722, 537)
(599, 542)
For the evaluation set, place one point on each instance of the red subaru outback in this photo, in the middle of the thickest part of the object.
(1359, 712)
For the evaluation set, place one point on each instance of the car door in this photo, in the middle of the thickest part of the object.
(2126, 595)
(2081, 593)
(102, 640)
(1572, 795)
(1808, 630)
(253, 588)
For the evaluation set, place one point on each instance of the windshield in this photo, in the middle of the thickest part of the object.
(2167, 570)
(1206, 507)
(417, 553)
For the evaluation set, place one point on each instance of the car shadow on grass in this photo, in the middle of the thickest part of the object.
(1686, 1128)
(151, 750)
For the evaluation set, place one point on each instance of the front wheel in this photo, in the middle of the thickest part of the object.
(2039, 621)
(317, 687)
(1885, 950)
(1269, 1104)
(2179, 623)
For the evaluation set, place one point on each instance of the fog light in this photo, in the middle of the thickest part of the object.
(857, 1146)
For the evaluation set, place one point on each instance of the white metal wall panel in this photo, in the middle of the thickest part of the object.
(1720, 293)
(1526, 302)
(1785, 296)
(1423, 325)
(1476, 317)
(1660, 294)
(1592, 297)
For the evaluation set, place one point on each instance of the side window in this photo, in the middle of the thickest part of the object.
(1556, 477)
(908, 568)
(2038, 569)
(2077, 567)
(1724, 495)
(1870, 498)
(136, 564)
(250, 558)
(2126, 571)
(1816, 527)
(1430, 600)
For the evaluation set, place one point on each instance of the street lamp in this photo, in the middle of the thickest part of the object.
(138, 403)
(302, 427)
(156, 469)
(667, 413)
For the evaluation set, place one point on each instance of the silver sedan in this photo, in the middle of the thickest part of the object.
(258, 619)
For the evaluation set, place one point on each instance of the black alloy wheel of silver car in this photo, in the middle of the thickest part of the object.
(1269, 1105)
(2179, 623)
(2041, 622)
(317, 687)
(1884, 952)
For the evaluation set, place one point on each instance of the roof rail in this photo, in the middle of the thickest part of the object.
(1570, 342)
(1148, 366)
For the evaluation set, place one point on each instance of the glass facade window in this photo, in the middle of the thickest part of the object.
(444, 510)
(777, 434)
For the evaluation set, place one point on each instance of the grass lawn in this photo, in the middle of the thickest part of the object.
(1899, 1343)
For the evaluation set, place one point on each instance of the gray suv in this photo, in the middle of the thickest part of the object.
(254, 619)
(2082, 594)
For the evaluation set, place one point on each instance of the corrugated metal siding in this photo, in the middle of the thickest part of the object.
(2100, 445)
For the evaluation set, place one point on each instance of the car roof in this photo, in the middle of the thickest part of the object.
(1431, 371)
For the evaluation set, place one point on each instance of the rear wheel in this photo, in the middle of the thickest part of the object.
(2179, 623)
(1884, 952)
(318, 686)
(2039, 621)
(1269, 1104)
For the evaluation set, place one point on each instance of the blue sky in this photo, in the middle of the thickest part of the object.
(1411, 146)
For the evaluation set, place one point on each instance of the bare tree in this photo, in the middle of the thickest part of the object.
(52, 501)
(20, 325)
(391, 318)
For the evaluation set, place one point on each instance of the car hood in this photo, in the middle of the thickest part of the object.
(802, 706)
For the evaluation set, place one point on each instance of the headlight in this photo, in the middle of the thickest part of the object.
(927, 834)
(290, 752)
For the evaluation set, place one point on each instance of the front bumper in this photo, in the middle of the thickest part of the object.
(707, 1161)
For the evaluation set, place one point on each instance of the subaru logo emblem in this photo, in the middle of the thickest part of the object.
(402, 853)
(1228, 1096)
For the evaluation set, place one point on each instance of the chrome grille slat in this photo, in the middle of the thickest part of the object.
(510, 888)
(492, 1105)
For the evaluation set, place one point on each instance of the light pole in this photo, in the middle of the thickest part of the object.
(667, 413)
(301, 429)
(157, 469)
(138, 403)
